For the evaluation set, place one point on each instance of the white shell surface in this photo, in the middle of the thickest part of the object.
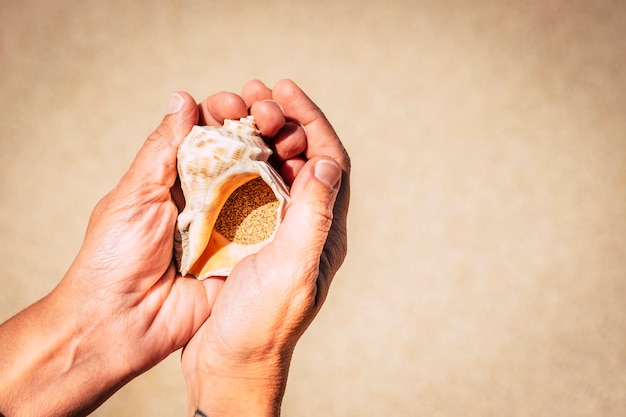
(213, 162)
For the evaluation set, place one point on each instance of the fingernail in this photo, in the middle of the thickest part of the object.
(176, 103)
(328, 172)
(275, 102)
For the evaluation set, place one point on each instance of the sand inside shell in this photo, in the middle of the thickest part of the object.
(250, 214)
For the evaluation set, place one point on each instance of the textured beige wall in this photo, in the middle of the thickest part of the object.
(487, 266)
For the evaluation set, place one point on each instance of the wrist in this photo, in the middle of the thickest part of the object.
(256, 391)
(226, 397)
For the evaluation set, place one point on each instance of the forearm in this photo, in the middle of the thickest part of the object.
(48, 365)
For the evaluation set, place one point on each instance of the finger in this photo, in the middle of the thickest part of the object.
(290, 141)
(182, 115)
(303, 233)
(321, 137)
(268, 116)
(156, 160)
(290, 169)
(220, 106)
(254, 91)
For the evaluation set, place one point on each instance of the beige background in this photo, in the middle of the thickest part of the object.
(487, 267)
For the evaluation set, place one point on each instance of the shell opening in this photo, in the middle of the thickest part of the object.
(249, 215)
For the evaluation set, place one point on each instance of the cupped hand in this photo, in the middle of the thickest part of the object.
(125, 267)
(238, 361)
(122, 295)
(128, 287)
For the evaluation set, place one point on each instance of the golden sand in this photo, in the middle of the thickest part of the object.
(249, 215)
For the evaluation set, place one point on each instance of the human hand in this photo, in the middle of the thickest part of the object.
(121, 307)
(237, 362)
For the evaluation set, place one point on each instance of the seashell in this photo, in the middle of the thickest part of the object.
(234, 199)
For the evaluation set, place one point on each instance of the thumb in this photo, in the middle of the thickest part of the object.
(309, 215)
(156, 160)
(181, 116)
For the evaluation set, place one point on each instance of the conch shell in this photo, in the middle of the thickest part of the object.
(234, 200)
